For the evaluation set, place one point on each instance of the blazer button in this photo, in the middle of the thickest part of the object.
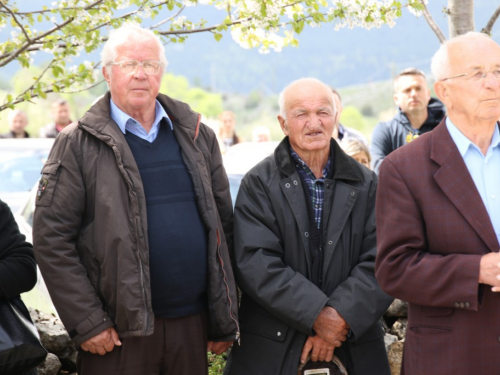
(467, 304)
(278, 334)
(306, 234)
(457, 305)
(462, 305)
(295, 182)
(287, 185)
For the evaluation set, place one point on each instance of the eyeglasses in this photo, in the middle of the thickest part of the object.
(476, 75)
(150, 67)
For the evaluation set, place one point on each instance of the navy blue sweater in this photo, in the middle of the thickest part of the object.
(177, 237)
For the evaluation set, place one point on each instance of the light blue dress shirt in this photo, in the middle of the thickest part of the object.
(484, 170)
(127, 123)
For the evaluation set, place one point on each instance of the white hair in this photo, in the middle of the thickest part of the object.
(441, 60)
(14, 113)
(130, 32)
(298, 83)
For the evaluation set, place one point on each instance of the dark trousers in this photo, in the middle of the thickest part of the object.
(178, 346)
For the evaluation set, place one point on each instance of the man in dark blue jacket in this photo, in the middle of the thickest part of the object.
(418, 113)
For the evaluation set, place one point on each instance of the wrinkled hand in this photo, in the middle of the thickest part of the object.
(320, 350)
(218, 347)
(331, 327)
(489, 270)
(102, 343)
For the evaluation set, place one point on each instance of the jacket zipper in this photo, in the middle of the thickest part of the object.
(142, 280)
(227, 287)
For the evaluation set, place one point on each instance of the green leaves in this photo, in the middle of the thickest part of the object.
(70, 29)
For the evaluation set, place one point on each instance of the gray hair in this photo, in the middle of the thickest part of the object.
(441, 59)
(130, 32)
(14, 113)
(300, 82)
(354, 146)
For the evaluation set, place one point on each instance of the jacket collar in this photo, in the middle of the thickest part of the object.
(99, 119)
(344, 167)
(435, 112)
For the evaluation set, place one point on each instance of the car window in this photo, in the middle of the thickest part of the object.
(20, 171)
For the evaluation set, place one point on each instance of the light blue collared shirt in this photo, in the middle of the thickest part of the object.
(484, 170)
(127, 123)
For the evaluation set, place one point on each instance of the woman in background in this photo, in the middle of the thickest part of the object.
(358, 151)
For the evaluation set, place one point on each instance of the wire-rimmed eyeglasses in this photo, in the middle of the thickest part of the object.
(476, 75)
(150, 67)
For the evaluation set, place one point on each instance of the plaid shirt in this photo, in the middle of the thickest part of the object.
(316, 186)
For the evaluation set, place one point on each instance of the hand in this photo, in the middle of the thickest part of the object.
(320, 350)
(489, 270)
(218, 347)
(331, 327)
(103, 342)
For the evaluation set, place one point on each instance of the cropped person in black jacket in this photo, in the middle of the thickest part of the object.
(17, 262)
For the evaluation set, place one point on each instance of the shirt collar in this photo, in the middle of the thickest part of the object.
(303, 164)
(121, 118)
(463, 143)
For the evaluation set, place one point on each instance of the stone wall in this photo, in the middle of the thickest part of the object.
(62, 353)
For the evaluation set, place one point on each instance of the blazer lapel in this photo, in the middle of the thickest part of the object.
(456, 183)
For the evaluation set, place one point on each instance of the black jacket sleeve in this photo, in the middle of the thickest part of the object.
(17, 262)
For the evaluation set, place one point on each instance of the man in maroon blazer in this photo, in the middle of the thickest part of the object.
(438, 220)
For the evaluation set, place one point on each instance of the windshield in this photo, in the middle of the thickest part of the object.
(19, 170)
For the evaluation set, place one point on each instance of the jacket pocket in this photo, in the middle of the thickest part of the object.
(47, 183)
(262, 323)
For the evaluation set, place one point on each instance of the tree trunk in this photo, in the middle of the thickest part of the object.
(460, 17)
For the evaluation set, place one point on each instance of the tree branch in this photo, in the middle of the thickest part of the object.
(433, 25)
(169, 18)
(14, 55)
(16, 21)
(37, 80)
(491, 22)
(84, 89)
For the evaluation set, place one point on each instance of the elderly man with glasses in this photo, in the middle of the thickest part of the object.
(438, 219)
(133, 225)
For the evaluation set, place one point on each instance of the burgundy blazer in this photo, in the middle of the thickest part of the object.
(432, 229)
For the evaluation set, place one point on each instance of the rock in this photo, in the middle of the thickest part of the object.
(52, 333)
(398, 309)
(395, 355)
(399, 328)
(389, 340)
(50, 366)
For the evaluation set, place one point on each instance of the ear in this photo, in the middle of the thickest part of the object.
(443, 93)
(396, 99)
(283, 125)
(106, 74)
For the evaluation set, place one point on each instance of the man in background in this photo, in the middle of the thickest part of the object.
(417, 113)
(60, 111)
(18, 120)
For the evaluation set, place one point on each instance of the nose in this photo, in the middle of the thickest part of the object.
(491, 80)
(139, 72)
